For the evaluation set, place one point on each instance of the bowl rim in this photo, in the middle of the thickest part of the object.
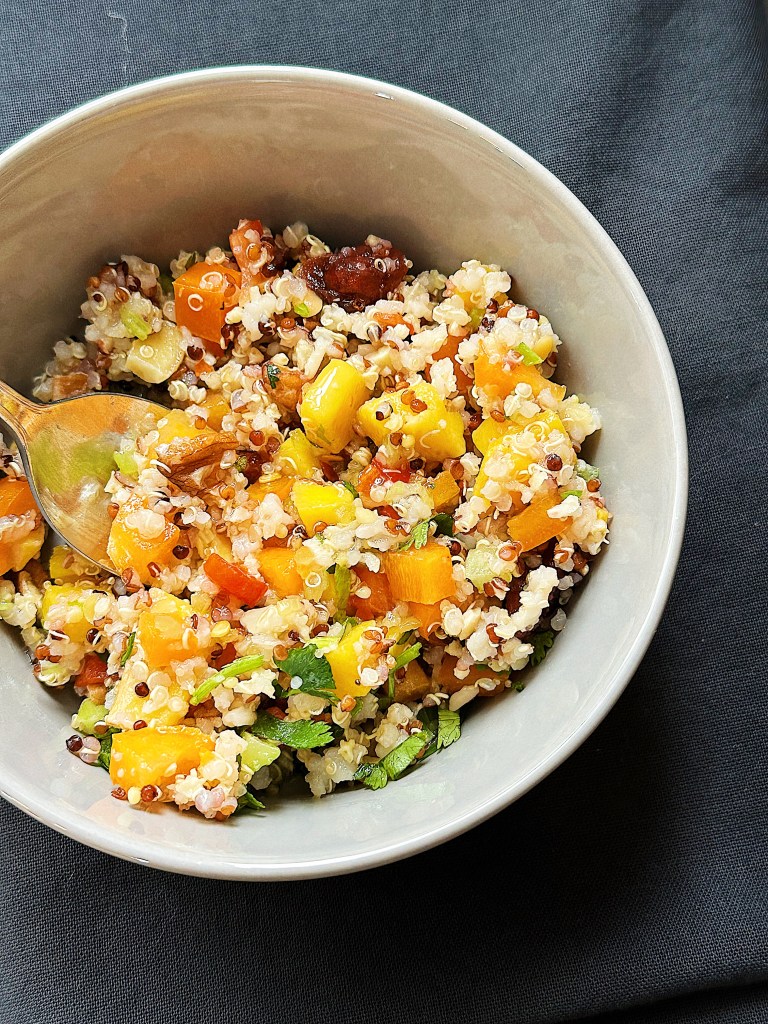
(157, 854)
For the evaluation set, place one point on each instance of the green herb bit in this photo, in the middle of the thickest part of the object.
(105, 753)
(351, 488)
(89, 714)
(542, 643)
(419, 536)
(301, 735)
(315, 673)
(393, 764)
(373, 775)
(135, 324)
(302, 309)
(448, 727)
(248, 802)
(128, 649)
(588, 472)
(529, 356)
(241, 464)
(444, 524)
(273, 374)
(567, 494)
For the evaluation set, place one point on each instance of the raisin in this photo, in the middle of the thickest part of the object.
(355, 276)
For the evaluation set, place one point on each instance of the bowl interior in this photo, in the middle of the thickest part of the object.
(174, 165)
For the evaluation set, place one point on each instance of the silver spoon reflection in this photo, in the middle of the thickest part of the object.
(68, 449)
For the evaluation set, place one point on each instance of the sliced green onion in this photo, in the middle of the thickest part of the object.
(134, 324)
(409, 654)
(128, 649)
(302, 309)
(529, 356)
(239, 667)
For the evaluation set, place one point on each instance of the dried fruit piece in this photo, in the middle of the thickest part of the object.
(355, 276)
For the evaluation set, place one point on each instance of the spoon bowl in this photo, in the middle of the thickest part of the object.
(68, 451)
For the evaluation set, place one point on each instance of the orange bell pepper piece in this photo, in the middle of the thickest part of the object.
(204, 295)
(533, 526)
(500, 379)
(428, 615)
(278, 567)
(15, 497)
(450, 350)
(234, 580)
(423, 575)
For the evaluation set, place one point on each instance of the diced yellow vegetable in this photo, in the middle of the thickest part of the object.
(280, 485)
(15, 556)
(165, 632)
(330, 404)
(128, 707)
(66, 566)
(158, 357)
(69, 608)
(423, 575)
(154, 757)
(174, 425)
(519, 456)
(489, 431)
(16, 500)
(445, 493)
(278, 567)
(437, 433)
(348, 659)
(331, 504)
(297, 456)
(129, 549)
(217, 408)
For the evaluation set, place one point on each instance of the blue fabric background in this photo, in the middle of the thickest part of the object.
(631, 885)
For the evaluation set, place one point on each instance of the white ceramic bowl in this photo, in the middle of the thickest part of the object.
(175, 163)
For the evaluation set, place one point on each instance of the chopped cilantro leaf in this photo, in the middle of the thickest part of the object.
(419, 536)
(241, 464)
(273, 374)
(567, 494)
(372, 775)
(248, 802)
(315, 673)
(542, 642)
(529, 356)
(128, 649)
(448, 727)
(443, 524)
(393, 764)
(301, 735)
(105, 754)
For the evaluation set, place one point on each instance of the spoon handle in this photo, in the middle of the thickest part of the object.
(16, 411)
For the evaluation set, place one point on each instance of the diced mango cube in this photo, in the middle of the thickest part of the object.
(330, 404)
(155, 756)
(436, 432)
(445, 492)
(129, 549)
(348, 659)
(128, 707)
(165, 632)
(423, 575)
(278, 567)
(70, 608)
(16, 500)
(329, 504)
(499, 378)
(297, 456)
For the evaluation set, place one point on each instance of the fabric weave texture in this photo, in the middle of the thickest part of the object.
(632, 884)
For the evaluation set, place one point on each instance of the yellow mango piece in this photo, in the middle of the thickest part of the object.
(437, 433)
(422, 575)
(330, 403)
(348, 659)
(16, 555)
(297, 456)
(280, 485)
(173, 425)
(128, 707)
(445, 492)
(66, 566)
(278, 567)
(155, 756)
(519, 457)
(331, 504)
(165, 632)
(489, 431)
(129, 549)
(70, 608)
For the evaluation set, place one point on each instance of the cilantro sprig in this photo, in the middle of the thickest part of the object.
(301, 735)
(420, 533)
(376, 775)
(448, 727)
(248, 802)
(313, 671)
(542, 643)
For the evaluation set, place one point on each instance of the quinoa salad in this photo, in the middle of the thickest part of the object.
(364, 510)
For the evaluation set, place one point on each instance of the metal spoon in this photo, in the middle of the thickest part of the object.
(68, 450)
